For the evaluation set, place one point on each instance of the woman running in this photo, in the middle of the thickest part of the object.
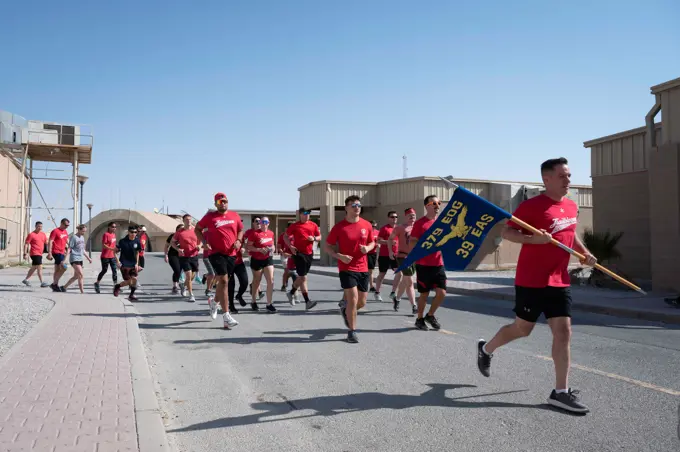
(172, 258)
(260, 245)
(75, 254)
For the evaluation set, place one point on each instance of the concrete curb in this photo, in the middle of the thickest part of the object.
(151, 436)
(670, 317)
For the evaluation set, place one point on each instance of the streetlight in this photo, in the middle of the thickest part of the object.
(81, 179)
(89, 225)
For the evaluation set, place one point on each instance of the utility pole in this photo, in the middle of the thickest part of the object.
(405, 166)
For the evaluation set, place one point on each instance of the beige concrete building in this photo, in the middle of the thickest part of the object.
(11, 237)
(636, 189)
(378, 198)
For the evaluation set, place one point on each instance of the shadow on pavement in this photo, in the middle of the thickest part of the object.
(341, 404)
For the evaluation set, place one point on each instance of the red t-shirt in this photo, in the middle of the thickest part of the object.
(282, 244)
(546, 265)
(143, 239)
(300, 232)
(261, 239)
(37, 241)
(109, 239)
(60, 237)
(206, 251)
(187, 241)
(239, 257)
(384, 234)
(375, 248)
(349, 237)
(290, 264)
(223, 230)
(419, 228)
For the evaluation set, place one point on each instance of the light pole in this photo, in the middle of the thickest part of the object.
(89, 224)
(81, 179)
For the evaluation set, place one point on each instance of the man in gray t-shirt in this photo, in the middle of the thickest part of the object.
(75, 255)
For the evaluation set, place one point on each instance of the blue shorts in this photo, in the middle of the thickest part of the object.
(58, 258)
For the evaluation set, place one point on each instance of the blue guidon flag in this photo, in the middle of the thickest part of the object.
(459, 230)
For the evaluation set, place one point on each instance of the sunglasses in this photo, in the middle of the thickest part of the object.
(432, 203)
(306, 212)
(394, 216)
(222, 201)
(355, 205)
(264, 222)
(132, 232)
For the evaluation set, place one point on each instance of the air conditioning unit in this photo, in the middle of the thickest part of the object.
(10, 129)
(51, 133)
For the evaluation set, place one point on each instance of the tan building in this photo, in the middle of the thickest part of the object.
(378, 198)
(636, 188)
(11, 237)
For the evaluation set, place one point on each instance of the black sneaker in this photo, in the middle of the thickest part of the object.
(352, 337)
(432, 320)
(393, 294)
(204, 279)
(232, 309)
(483, 359)
(260, 295)
(395, 303)
(310, 304)
(271, 308)
(62, 288)
(284, 288)
(55, 288)
(96, 288)
(241, 301)
(568, 401)
(420, 324)
(343, 312)
(414, 309)
(372, 290)
(254, 306)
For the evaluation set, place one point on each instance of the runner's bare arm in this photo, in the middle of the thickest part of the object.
(50, 243)
(516, 236)
(199, 235)
(390, 241)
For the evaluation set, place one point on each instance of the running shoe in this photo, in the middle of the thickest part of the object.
(213, 307)
(229, 321)
(568, 401)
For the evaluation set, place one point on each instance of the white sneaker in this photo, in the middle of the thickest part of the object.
(296, 297)
(192, 299)
(377, 297)
(213, 307)
(229, 321)
(184, 292)
(292, 299)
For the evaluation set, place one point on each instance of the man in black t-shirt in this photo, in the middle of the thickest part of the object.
(129, 248)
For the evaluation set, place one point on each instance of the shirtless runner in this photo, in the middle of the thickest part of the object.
(401, 234)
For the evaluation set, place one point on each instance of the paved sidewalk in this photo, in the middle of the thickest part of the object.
(69, 384)
(500, 285)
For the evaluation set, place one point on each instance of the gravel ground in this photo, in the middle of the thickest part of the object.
(19, 312)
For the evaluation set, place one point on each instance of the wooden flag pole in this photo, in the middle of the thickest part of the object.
(580, 256)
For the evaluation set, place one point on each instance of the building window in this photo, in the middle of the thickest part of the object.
(3, 239)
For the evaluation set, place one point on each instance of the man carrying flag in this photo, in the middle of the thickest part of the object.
(430, 273)
(542, 280)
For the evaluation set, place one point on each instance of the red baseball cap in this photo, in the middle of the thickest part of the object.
(410, 210)
(219, 196)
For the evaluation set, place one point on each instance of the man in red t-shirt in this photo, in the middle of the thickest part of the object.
(304, 233)
(57, 249)
(224, 239)
(373, 257)
(349, 242)
(144, 240)
(108, 256)
(185, 242)
(385, 262)
(542, 283)
(430, 273)
(248, 236)
(34, 248)
(286, 261)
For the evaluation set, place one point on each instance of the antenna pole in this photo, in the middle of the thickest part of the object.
(405, 166)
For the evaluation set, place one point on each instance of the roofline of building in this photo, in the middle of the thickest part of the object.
(624, 134)
(665, 86)
(429, 178)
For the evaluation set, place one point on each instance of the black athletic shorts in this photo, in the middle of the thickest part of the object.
(303, 262)
(531, 302)
(128, 272)
(188, 263)
(58, 258)
(259, 264)
(408, 271)
(222, 264)
(360, 280)
(77, 263)
(385, 263)
(430, 278)
(36, 260)
(372, 258)
(141, 261)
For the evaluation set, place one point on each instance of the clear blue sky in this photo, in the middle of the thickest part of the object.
(261, 97)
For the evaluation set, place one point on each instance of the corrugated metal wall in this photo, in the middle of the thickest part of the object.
(585, 197)
(394, 193)
(621, 155)
(339, 192)
(313, 196)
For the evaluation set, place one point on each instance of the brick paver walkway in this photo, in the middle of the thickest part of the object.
(67, 385)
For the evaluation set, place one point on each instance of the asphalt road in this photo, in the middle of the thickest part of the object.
(289, 382)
